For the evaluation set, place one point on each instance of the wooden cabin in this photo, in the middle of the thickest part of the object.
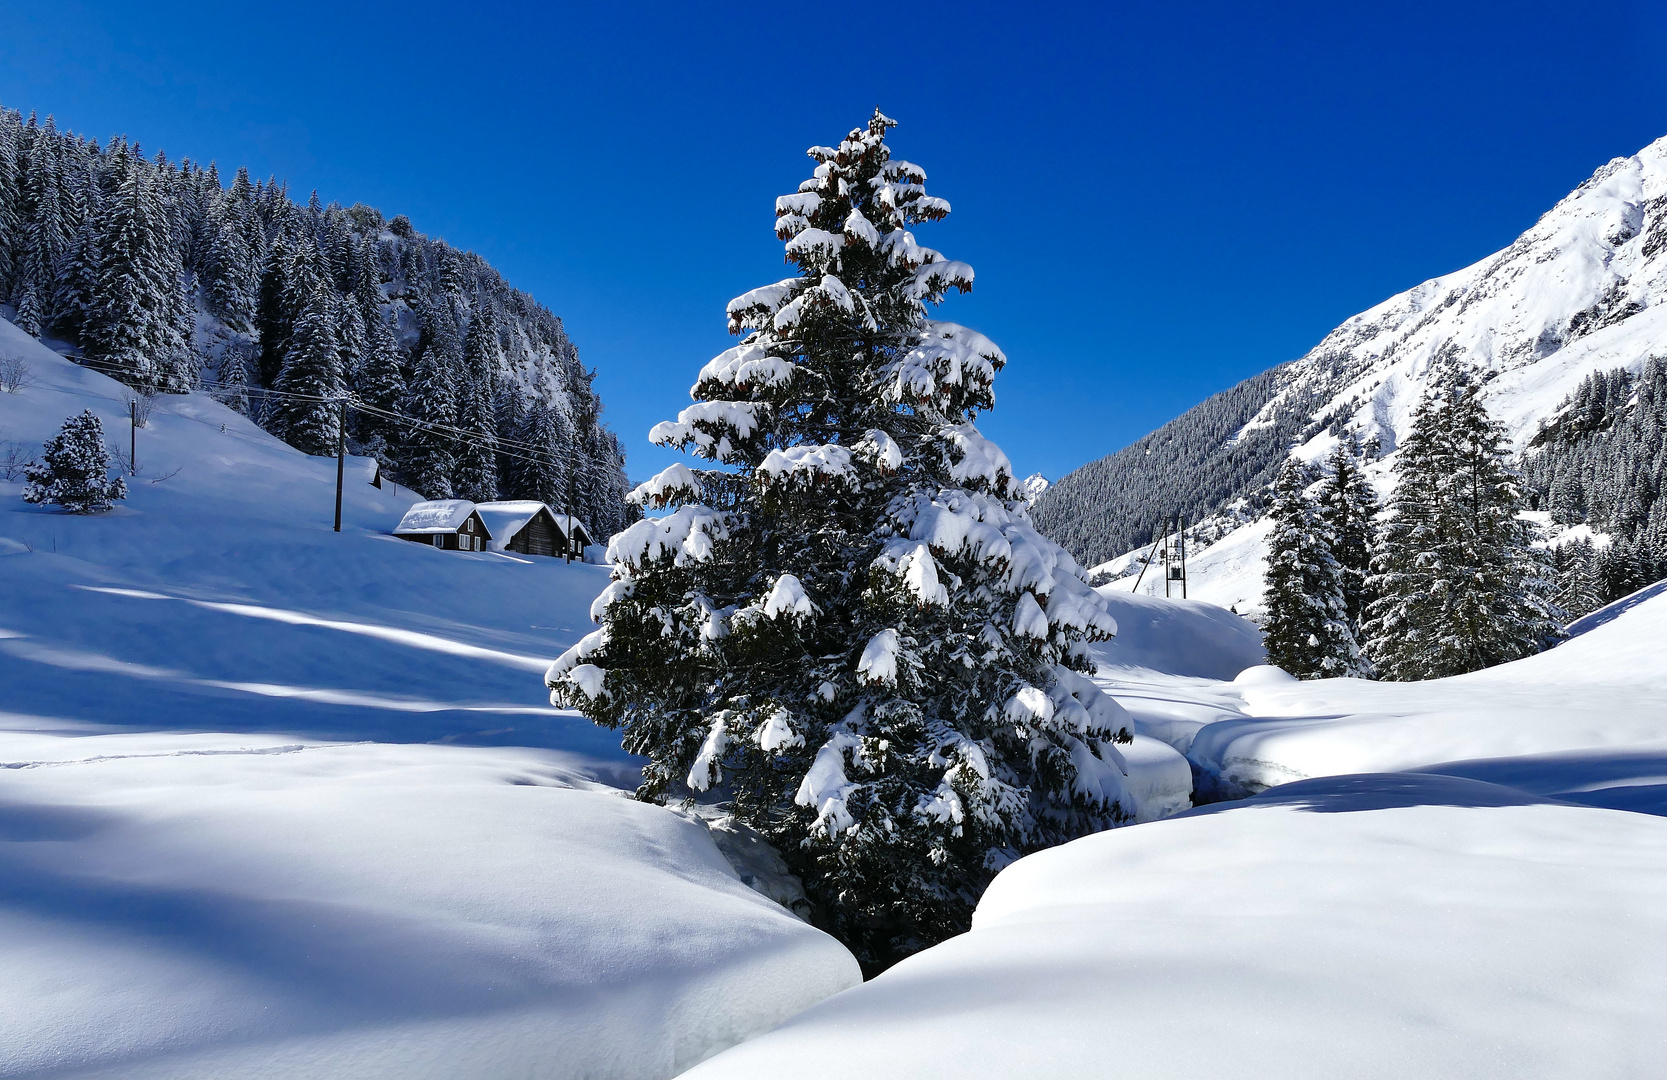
(448, 524)
(574, 534)
(523, 526)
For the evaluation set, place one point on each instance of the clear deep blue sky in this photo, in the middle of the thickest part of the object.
(1159, 199)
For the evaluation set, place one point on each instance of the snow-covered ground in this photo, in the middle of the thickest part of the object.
(1450, 882)
(281, 802)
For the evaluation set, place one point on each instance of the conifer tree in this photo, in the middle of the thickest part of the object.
(133, 330)
(380, 384)
(74, 470)
(475, 477)
(427, 455)
(11, 201)
(313, 370)
(1348, 508)
(1578, 587)
(855, 634)
(76, 288)
(542, 473)
(47, 232)
(28, 317)
(1459, 585)
(1308, 632)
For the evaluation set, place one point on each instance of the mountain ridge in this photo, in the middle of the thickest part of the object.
(1580, 291)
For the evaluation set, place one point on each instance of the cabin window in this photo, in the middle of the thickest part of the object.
(439, 540)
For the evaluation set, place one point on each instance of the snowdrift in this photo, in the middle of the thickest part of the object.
(1364, 926)
(224, 850)
(1588, 718)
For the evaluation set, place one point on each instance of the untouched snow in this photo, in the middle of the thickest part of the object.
(1597, 703)
(1450, 882)
(1364, 926)
(225, 849)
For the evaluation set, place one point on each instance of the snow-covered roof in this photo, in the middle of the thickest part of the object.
(435, 516)
(568, 523)
(505, 519)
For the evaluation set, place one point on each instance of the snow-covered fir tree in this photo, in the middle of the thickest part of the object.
(74, 469)
(134, 329)
(853, 633)
(307, 411)
(28, 318)
(430, 452)
(1308, 631)
(1458, 585)
(1349, 508)
(1579, 589)
(475, 475)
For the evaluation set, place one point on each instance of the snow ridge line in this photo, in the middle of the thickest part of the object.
(287, 748)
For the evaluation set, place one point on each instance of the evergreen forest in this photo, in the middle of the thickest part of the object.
(170, 279)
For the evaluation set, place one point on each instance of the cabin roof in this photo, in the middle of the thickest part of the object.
(569, 524)
(435, 516)
(505, 519)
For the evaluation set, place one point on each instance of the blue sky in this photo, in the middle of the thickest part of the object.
(1159, 200)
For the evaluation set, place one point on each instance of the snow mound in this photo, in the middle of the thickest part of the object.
(198, 906)
(1178, 637)
(1354, 926)
(1597, 695)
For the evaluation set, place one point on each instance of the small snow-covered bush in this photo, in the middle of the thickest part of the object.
(74, 471)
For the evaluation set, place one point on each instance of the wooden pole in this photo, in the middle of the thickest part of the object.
(341, 461)
(1181, 539)
(133, 436)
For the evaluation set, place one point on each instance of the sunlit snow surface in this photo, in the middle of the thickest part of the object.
(1463, 878)
(277, 802)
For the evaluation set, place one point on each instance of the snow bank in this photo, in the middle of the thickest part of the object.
(1357, 926)
(1178, 637)
(1601, 694)
(200, 906)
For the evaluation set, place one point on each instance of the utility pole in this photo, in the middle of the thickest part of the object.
(1181, 539)
(341, 460)
(133, 436)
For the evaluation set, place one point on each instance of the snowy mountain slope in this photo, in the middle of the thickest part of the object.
(1581, 291)
(1496, 911)
(224, 847)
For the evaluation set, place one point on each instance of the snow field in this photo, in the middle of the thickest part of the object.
(1377, 926)
(183, 906)
(281, 802)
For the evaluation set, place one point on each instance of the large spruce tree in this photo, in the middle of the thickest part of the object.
(1308, 632)
(852, 633)
(1458, 583)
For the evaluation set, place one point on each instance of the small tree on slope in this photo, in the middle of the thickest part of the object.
(74, 470)
(856, 634)
(1349, 507)
(1459, 585)
(1307, 632)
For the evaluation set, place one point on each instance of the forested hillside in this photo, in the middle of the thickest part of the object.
(1581, 292)
(168, 278)
(1191, 466)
